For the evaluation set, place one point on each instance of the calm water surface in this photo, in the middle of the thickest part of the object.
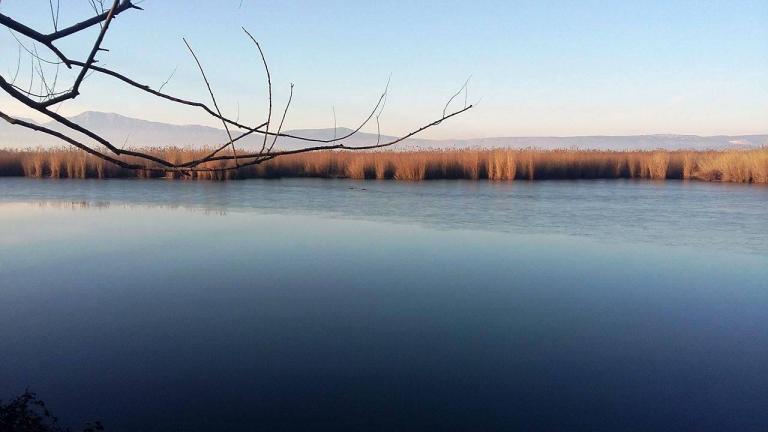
(311, 304)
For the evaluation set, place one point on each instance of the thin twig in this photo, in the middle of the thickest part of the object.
(54, 15)
(333, 108)
(18, 66)
(456, 94)
(213, 98)
(269, 88)
(169, 78)
(282, 119)
(75, 91)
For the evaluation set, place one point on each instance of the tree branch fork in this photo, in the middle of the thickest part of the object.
(151, 162)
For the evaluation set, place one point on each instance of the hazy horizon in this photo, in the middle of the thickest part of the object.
(140, 133)
(351, 127)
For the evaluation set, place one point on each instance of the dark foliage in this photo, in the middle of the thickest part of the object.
(27, 413)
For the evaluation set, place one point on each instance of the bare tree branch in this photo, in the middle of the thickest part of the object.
(114, 11)
(269, 88)
(61, 136)
(378, 115)
(54, 14)
(48, 39)
(212, 112)
(456, 94)
(333, 109)
(346, 147)
(144, 160)
(213, 98)
(168, 80)
(75, 91)
(18, 66)
(29, 51)
(282, 119)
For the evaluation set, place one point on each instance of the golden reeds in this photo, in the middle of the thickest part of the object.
(743, 166)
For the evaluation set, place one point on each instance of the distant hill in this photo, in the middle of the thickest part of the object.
(131, 132)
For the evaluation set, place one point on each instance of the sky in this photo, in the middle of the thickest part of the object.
(538, 68)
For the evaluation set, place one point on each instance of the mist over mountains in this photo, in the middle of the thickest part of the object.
(130, 132)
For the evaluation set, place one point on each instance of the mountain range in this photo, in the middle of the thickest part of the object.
(130, 132)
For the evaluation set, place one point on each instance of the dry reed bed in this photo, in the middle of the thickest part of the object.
(742, 166)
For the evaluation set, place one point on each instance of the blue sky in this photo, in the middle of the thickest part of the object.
(540, 68)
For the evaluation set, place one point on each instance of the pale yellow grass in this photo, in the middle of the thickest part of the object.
(743, 166)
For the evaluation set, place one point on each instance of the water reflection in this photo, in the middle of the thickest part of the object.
(436, 306)
(102, 205)
(698, 215)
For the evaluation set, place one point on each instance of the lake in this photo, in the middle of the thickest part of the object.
(303, 304)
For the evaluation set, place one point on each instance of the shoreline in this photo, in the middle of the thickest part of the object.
(733, 166)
